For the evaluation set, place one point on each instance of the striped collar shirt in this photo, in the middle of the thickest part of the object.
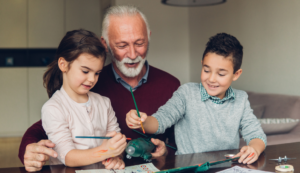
(229, 95)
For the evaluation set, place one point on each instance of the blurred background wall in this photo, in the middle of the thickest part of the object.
(268, 30)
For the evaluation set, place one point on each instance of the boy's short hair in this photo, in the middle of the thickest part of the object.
(225, 45)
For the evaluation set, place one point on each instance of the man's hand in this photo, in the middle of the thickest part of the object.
(37, 154)
(161, 149)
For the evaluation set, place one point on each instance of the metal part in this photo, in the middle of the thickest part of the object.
(280, 159)
(128, 156)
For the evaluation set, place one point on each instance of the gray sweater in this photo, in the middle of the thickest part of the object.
(202, 126)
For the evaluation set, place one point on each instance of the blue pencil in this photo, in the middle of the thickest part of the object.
(97, 137)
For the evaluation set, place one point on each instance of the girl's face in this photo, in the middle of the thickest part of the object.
(81, 75)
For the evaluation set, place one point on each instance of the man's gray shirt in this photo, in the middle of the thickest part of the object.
(202, 126)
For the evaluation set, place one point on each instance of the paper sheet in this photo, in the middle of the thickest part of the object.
(237, 169)
(143, 168)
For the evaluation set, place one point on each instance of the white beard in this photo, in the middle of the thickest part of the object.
(130, 72)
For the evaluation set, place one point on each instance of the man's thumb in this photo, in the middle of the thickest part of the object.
(46, 143)
(154, 141)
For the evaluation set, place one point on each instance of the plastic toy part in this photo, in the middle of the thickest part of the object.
(202, 167)
(140, 147)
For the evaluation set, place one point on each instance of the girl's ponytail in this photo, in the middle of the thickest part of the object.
(53, 78)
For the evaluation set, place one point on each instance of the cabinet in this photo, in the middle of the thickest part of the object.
(13, 101)
(13, 24)
(45, 23)
(83, 14)
(37, 94)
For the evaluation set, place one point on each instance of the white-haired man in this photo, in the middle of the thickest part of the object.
(126, 36)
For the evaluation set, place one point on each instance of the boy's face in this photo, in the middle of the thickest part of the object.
(217, 74)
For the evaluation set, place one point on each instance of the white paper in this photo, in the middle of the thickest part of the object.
(143, 168)
(237, 169)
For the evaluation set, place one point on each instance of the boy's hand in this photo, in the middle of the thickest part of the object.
(115, 146)
(133, 121)
(114, 163)
(247, 155)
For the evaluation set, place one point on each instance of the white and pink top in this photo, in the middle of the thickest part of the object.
(63, 119)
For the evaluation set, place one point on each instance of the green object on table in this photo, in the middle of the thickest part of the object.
(140, 147)
(197, 168)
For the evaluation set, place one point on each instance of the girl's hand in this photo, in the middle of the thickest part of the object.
(114, 163)
(247, 155)
(133, 121)
(114, 146)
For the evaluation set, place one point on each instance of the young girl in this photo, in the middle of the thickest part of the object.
(73, 110)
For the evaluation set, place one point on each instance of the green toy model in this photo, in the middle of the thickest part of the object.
(141, 147)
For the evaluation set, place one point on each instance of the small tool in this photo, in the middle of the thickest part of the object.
(280, 159)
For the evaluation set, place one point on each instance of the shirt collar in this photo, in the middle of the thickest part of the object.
(144, 78)
(229, 95)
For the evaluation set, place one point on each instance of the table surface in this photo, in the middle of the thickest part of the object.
(291, 150)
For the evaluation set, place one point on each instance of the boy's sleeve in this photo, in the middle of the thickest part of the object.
(250, 126)
(170, 113)
(57, 128)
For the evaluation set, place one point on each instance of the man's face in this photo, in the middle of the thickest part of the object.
(217, 74)
(128, 43)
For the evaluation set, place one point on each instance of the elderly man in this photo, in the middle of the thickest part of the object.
(126, 35)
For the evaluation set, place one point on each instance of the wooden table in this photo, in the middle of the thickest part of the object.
(291, 150)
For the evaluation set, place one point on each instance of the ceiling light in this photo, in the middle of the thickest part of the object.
(191, 3)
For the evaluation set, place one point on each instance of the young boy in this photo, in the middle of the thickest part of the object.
(208, 116)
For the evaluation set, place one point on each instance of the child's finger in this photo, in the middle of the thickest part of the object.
(122, 166)
(248, 158)
(111, 134)
(106, 162)
(112, 163)
(133, 124)
(143, 116)
(243, 156)
(119, 144)
(237, 155)
(117, 165)
(132, 118)
(244, 149)
(252, 160)
(116, 138)
(133, 114)
(108, 166)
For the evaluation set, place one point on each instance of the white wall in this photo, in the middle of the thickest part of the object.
(169, 44)
(269, 30)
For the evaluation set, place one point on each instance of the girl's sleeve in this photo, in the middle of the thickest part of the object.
(170, 113)
(112, 124)
(250, 126)
(57, 128)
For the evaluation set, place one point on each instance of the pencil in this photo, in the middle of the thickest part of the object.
(97, 137)
(137, 110)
